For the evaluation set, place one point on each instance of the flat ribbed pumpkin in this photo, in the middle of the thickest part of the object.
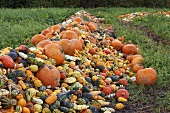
(49, 75)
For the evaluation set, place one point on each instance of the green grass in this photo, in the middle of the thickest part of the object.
(16, 25)
(159, 24)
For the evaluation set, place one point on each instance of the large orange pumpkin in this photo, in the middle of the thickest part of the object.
(147, 76)
(129, 49)
(69, 35)
(68, 46)
(116, 44)
(37, 38)
(54, 51)
(49, 75)
(77, 44)
(43, 43)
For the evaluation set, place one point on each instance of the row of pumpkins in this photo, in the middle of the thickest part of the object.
(130, 17)
(74, 67)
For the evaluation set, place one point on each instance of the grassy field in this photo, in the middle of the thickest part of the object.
(16, 25)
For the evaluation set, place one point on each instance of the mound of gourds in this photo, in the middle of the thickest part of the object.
(129, 17)
(78, 66)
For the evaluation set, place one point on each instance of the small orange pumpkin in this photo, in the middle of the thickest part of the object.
(92, 26)
(49, 75)
(54, 51)
(78, 20)
(69, 35)
(147, 76)
(37, 38)
(129, 49)
(116, 44)
(21, 102)
(137, 67)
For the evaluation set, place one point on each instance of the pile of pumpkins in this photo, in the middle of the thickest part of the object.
(77, 66)
(129, 17)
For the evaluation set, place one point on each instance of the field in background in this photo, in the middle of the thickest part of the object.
(17, 26)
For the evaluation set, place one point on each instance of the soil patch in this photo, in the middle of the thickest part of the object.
(156, 38)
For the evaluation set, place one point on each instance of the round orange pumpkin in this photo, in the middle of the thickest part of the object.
(147, 76)
(129, 49)
(77, 44)
(37, 38)
(54, 51)
(68, 46)
(116, 44)
(49, 75)
(43, 43)
(69, 35)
